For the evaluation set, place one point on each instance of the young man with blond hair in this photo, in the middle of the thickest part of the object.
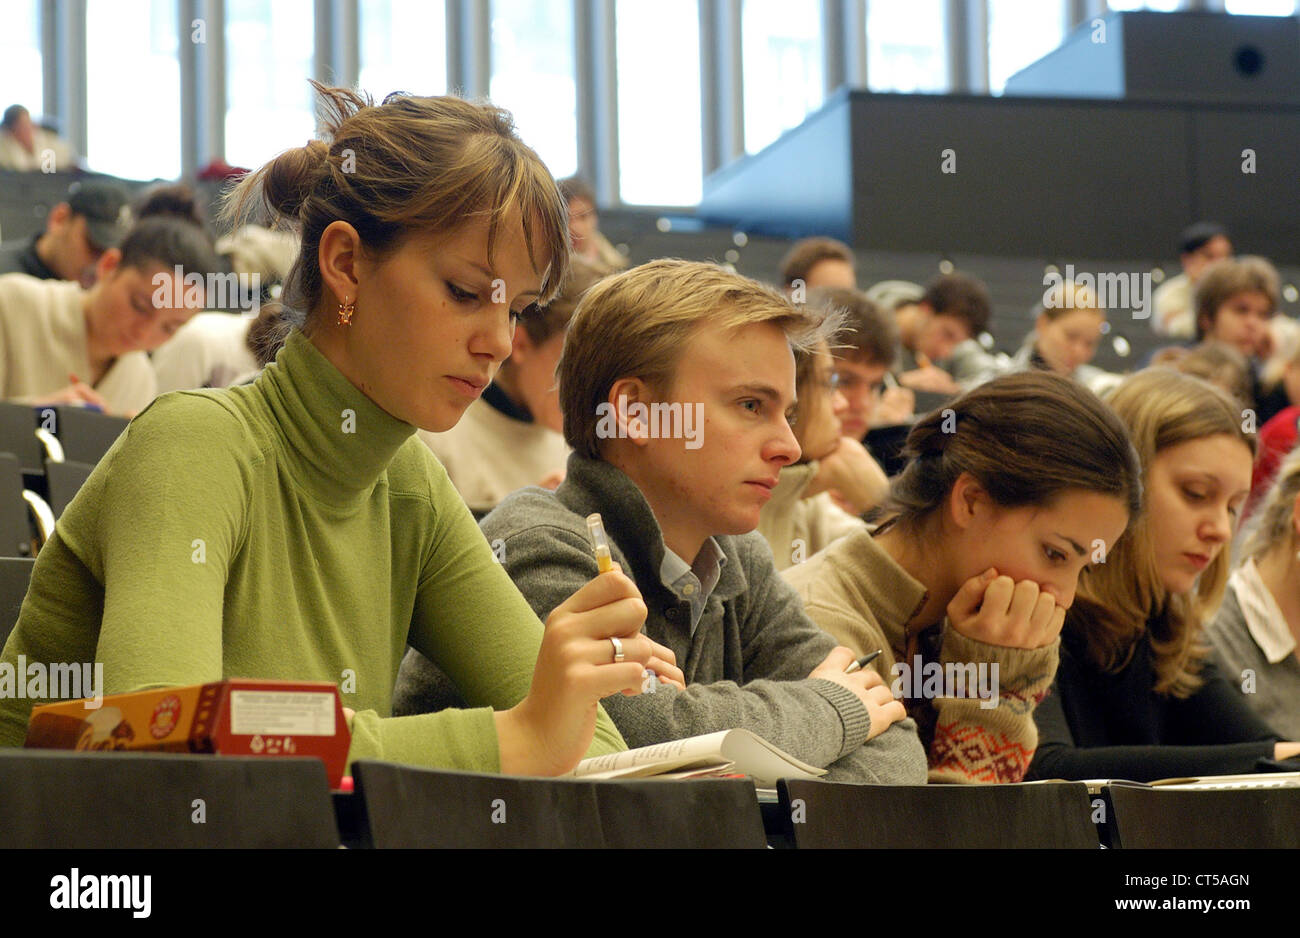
(677, 384)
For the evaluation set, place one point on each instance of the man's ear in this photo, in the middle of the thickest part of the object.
(59, 216)
(965, 501)
(629, 398)
(340, 259)
(107, 264)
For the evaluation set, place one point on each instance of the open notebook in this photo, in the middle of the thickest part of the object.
(728, 752)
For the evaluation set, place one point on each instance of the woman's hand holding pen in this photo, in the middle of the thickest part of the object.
(549, 731)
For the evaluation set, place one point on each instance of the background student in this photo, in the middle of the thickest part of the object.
(864, 353)
(65, 345)
(584, 228)
(182, 559)
(1135, 695)
(77, 232)
(1199, 246)
(935, 334)
(680, 511)
(512, 436)
(820, 497)
(1256, 631)
(818, 262)
(28, 147)
(1235, 300)
(1064, 340)
(1007, 495)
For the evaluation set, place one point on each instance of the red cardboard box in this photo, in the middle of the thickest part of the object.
(236, 717)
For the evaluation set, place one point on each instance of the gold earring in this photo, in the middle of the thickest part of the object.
(346, 309)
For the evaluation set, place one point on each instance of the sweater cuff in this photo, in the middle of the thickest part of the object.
(854, 718)
(1024, 674)
(450, 739)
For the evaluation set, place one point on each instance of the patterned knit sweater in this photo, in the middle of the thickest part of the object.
(859, 594)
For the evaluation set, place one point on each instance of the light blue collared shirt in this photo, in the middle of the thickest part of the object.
(693, 583)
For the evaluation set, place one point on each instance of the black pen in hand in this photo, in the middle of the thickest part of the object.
(865, 660)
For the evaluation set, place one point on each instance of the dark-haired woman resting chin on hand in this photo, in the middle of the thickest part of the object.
(1007, 495)
(295, 528)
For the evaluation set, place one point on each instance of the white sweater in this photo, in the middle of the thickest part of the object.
(209, 351)
(43, 342)
(795, 526)
(489, 455)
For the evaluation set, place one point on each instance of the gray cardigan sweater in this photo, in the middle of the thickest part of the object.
(746, 664)
(1274, 689)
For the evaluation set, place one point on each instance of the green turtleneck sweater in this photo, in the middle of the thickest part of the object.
(285, 529)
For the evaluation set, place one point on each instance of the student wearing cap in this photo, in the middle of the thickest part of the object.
(677, 385)
(60, 344)
(77, 232)
(25, 145)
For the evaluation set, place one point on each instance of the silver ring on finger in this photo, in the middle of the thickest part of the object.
(618, 650)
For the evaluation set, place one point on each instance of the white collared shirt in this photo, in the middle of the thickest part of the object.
(1264, 618)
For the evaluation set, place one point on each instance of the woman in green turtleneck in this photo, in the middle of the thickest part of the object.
(295, 528)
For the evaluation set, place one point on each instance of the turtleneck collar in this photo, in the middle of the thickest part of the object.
(340, 440)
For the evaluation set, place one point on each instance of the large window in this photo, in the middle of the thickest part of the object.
(906, 50)
(659, 144)
(782, 53)
(1020, 33)
(1164, 6)
(403, 46)
(1261, 7)
(20, 51)
(133, 101)
(269, 105)
(532, 76)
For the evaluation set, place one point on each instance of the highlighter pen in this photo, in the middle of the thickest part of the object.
(600, 543)
(863, 661)
(600, 546)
